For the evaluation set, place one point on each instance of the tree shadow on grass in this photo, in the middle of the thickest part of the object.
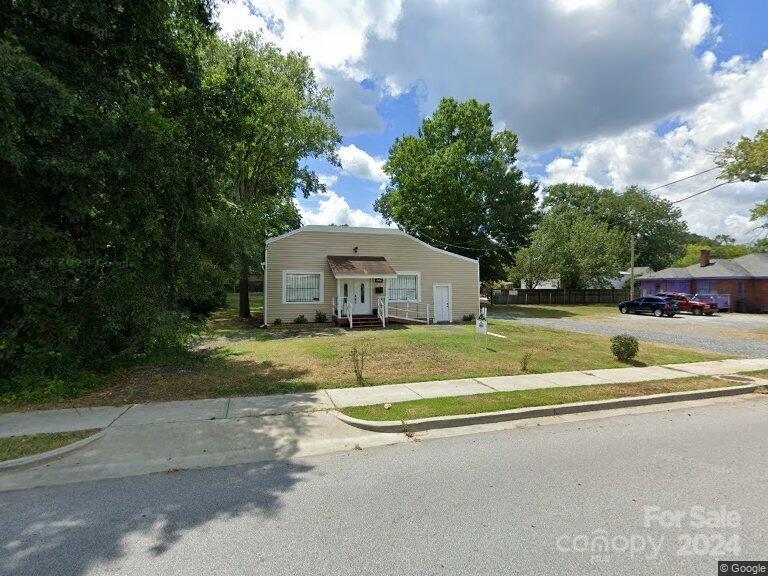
(91, 527)
(634, 363)
(203, 373)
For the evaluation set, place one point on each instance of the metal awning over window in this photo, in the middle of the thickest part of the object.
(361, 267)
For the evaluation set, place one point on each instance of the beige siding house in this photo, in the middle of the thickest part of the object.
(366, 277)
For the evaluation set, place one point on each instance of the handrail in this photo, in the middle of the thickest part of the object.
(411, 311)
(381, 312)
(341, 308)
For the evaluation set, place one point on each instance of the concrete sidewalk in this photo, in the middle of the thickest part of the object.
(230, 409)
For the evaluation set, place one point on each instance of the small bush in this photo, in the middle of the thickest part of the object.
(525, 362)
(358, 363)
(468, 318)
(320, 316)
(624, 347)
(300, 319)
(277, 321)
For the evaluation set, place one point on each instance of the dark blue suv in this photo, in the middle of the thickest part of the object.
(655, 305)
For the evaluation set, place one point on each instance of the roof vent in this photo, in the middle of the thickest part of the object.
(704, 258)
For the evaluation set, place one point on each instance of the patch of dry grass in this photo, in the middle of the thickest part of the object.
(236, 358)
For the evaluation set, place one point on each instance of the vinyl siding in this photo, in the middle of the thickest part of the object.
(308, 250)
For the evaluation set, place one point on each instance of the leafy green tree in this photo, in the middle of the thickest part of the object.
(270, 116)
(581, 252)
(724, 240)
(693, 252)
(745, 161)
(535, 263)
(112, 227)
(455, 185)
(659, 229)
(760, 245)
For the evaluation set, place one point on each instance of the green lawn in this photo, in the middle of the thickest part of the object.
(536, 311)
(20, 446)
(234, 357)
(496, 401)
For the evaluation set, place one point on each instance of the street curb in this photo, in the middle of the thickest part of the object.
(541, 411)
(35, 459)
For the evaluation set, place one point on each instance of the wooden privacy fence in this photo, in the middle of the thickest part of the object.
(557, 296)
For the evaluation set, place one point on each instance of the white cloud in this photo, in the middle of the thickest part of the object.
(328, 179)
(642, 156)
(555, 72)
(595, 77)
(357, 162)
(699, 25)
(354, 107)
(334, 209)
(332, 34)
(334, 37)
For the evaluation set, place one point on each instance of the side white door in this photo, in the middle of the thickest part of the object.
(442, 299)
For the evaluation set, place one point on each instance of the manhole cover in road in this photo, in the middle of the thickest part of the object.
(737, 378)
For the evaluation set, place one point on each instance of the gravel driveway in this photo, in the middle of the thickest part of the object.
(734, 335)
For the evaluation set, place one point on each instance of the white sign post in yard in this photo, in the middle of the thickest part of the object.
(481, 326)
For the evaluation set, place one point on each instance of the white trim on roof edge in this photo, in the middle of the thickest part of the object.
(366, 230)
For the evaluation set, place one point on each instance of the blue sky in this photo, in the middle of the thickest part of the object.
(607, 92)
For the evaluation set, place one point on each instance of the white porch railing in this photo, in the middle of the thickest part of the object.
(410, 311)
(339, 307)
(381, 311)
(342, 308)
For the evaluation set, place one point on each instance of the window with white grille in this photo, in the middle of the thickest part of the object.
(302, 287)
(404, 288)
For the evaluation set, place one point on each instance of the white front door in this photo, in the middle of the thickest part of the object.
(442, 299)
(361, 289)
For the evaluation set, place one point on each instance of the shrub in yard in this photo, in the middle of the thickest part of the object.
(320, 316)
(624, 347)
(525, 362)
(358, 363)
(277, 321)
(468, 318)
(300, 319)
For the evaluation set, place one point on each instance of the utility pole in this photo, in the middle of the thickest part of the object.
(632, 266)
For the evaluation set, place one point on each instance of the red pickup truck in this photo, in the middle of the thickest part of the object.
(688, 304)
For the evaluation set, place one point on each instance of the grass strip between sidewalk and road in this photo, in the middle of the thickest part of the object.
(21, 446)
(497, 401)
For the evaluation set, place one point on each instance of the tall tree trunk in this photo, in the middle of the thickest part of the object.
(245, 304)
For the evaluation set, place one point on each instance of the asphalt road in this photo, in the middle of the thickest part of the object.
(720, 334)
(520, 501)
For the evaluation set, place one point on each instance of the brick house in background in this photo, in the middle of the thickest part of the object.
(742, 282)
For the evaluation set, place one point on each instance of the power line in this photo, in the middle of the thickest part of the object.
(455, 245)
(698, 193)
(651, 190)
(681, 179)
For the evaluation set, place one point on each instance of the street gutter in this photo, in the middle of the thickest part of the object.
(437, 422)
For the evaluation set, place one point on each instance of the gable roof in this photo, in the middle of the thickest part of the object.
(748, 266)
(365, 230)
